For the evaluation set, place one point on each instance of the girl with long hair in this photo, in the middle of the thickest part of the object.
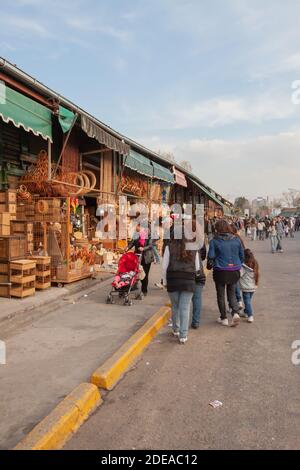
(249, 282)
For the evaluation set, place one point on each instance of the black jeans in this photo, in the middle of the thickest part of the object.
(145, 281)
(231, 296)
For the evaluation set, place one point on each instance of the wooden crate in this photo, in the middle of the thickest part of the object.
(5, 291)
(22, 278)
(22, 291)
(4, 230)
(12, 208)
(4, 272)
(4, 224)
(42, 283)
(11, 196)
(4, 280)
(43, 271)
(8, 197)
(12, 247)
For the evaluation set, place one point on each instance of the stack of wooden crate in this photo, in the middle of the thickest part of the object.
(12, 248)
(22, 278)
(43, 271)
(24, 229)
(8, 202)
(4, 223)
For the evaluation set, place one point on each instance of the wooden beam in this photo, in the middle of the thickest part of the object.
(94, 152)
(24, 89)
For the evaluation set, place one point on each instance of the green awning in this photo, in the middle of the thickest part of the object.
(137, 162)
(227, 211)
(66, 119)
(214, 198)
(162, 173)
(22, 111)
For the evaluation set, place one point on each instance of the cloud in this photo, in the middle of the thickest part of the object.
(263, 166)
(89, 25)
(218, 112)
(10, 24)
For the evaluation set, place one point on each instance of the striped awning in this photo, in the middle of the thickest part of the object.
(96, 132)
(179, 177)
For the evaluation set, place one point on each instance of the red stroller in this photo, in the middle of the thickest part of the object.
(126, 279)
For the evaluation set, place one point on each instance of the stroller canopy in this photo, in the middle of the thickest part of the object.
(128, 262)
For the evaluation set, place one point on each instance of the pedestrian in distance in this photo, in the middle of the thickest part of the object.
(249, 282)
(225, 257)
(273, 236)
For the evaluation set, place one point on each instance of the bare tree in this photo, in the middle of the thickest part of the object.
(186, 165)
(291, 198)
(168, 155)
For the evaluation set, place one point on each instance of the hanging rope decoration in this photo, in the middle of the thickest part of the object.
(35, 180)
(23, 194)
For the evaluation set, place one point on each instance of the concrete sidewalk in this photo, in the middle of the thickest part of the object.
(49, 357)
(17, 312)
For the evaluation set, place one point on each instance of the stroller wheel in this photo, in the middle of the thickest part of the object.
(110, 299)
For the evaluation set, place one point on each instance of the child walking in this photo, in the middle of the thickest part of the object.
(249, 282)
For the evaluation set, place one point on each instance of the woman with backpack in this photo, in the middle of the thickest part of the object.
(180, 266)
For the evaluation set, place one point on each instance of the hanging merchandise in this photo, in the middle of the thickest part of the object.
(74, 204)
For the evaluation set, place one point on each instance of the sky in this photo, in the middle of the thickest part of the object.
(210, 81)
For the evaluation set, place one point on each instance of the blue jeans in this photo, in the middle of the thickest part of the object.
(156, 254)
(274, 243)
(238, 292)
(181, 303)
(197, 304)
(247, 296)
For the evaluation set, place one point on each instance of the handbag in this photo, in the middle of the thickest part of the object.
(148, 255)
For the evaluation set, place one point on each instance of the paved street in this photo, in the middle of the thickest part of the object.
(163, 403)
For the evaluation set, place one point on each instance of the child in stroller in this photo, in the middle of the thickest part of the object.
(126, 279)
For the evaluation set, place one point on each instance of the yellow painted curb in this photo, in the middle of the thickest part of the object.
(107, 375)
(53, 431)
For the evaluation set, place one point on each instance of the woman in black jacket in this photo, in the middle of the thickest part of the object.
(179, 272)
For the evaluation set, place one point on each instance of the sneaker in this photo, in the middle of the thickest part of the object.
(250, 319)
(241, 304)
(243, 315)
(194, 326)
(159, 285)
(176, 334)
(183, 340)
(235, 319)
(223, 322)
